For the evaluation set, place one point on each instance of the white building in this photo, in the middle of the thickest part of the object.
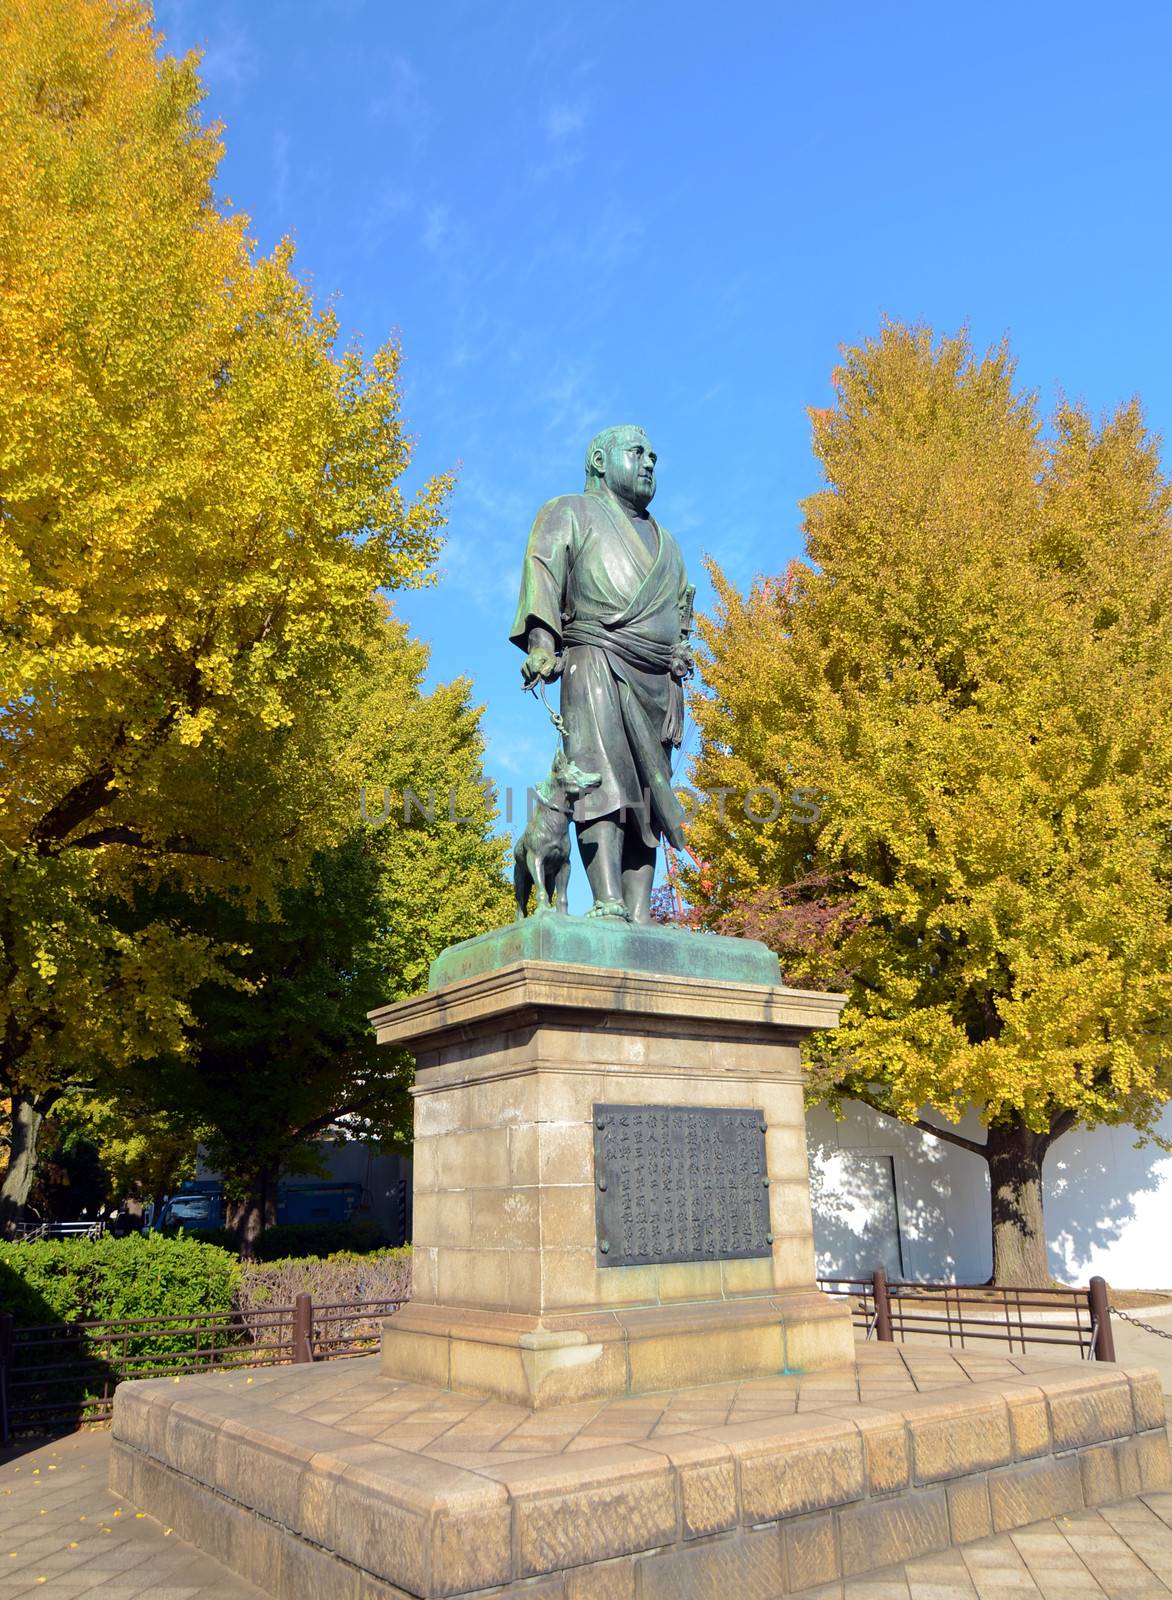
(885, 1194)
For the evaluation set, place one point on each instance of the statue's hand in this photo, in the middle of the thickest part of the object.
(539, 663)
(682, 665)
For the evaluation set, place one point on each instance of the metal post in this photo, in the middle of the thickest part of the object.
(5, 1363)
(303, 1328)
(882, 1308)
(1103, 1348)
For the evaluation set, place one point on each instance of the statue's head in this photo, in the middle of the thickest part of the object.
(623, 459)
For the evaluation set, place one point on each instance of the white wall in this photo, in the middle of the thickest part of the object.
(1108, 1206)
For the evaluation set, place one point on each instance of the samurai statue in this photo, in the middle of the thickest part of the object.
(606, 607)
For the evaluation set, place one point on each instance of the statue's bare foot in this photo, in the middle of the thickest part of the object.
(609, 908)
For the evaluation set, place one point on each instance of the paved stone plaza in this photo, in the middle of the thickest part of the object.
(63, 1534)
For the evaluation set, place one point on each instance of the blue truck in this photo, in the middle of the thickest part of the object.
(199, 1204)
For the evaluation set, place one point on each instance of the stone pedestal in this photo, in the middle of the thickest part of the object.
(524, 1033)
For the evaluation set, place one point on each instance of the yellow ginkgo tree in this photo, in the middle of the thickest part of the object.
(971, 680)
(199, 497)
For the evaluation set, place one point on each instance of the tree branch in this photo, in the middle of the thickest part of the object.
(76, 806)
(1062, 1123)
(977, 1148)
(320, 1124)
(119, 833)
(949, 1134)
(92, 793)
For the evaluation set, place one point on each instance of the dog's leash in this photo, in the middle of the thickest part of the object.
(538, 686)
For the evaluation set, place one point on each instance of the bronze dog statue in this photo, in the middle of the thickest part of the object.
(542, 853)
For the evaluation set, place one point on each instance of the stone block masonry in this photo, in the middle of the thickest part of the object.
(522, 1072)
(341, 1481)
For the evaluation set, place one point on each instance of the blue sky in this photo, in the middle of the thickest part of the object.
(674, 214)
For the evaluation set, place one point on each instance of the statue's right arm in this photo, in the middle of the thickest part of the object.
(537, 625)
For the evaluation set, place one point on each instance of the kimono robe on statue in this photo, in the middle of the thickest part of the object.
(616, 611)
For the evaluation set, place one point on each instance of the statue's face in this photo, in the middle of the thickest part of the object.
(629, 469)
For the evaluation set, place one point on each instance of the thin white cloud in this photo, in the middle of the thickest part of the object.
(229, 59)
(403, 102)
(281, 172)
(437, 228)
(388, 204)
(485, 569)
(573, 402)
(524, 756)
(563, 120)
(562, 123)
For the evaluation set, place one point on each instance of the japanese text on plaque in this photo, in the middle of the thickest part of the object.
(677, 1183)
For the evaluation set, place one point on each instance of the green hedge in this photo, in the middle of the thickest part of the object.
(88, 1280)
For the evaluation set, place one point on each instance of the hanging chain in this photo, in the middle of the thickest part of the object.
(554, 716)
(535, 687)
(1160, 1333)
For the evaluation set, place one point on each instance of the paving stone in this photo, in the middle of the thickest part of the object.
(811, 1553)
(969, 1513)
(886, 1455)
(88, 1542)
(881, 1531)
(748, 1566)
(608, 1580)
(1033, 1489)
(1155, 1465)
(707, 1479)
(890, 1585)
(806, 1466)
(1084, 1411)
(955, 1437)
(1147, 1398)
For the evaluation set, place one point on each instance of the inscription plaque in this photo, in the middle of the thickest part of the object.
(679, 1183)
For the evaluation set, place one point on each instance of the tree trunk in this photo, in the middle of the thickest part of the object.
(250, 1225)
(256, 1211)
(22, 1161)
(1015, 1155)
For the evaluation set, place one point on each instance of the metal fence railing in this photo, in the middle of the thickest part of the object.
(60, 1374)
(888, 1310)
(27, 1232)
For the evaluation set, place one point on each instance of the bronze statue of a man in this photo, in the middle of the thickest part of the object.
(606, 606)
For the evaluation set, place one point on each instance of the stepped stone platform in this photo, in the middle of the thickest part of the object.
(339, 1481)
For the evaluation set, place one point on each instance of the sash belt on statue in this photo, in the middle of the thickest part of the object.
(646, 654)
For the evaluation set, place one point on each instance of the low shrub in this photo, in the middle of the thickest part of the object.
(87, 1280)
(382, 1275)
(92, 1280)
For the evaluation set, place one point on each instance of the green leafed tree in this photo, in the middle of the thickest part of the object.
(281, 1049)
(972, 672)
